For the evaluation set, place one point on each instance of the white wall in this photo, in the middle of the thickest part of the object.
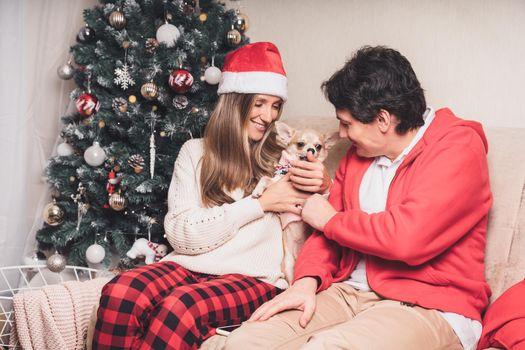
(468, 54)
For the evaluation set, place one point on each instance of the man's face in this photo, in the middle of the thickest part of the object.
(367, 138)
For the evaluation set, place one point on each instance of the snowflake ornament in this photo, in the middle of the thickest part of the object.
(123, 78)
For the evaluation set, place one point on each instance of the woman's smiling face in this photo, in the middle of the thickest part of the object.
(264, 111)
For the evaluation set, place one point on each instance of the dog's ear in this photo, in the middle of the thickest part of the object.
(284, 133)
(331, 139)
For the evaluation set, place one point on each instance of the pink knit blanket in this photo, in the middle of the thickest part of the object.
(55, 316)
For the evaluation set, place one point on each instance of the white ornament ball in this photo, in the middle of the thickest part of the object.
(95, 253)
(64, 149)
(95, 155)
(168, 34)
(212, 75)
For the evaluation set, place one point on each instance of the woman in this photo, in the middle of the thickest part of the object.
(227, 246)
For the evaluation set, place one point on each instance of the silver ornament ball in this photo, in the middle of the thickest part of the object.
(180, 102)
(56, 263)
(65, 71)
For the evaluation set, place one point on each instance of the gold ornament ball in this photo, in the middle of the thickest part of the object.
(149, 91)
(241, 22)
(117, 201)
(233, 37)
(101, 124)
(163, 134)
(203, 17)
(72, 179)
(53, 215)
(132, 98)
(117, 20)
(194, 110)
(154, 108)
(125, 44)
(56, 262)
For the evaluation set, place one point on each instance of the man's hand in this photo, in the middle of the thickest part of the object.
(311, 175)
(300, 296)
(317, 211)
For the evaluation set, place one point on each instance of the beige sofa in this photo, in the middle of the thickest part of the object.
(505, 258)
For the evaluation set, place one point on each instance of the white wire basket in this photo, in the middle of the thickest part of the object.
(15, 279)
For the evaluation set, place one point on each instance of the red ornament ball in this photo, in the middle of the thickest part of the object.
(181, 80)
(87, 104)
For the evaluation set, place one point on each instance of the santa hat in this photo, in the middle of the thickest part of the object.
(254, 69)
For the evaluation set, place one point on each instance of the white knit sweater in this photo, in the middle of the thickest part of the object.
(230, 238)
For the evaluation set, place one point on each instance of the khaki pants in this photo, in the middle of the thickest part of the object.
(346, 318)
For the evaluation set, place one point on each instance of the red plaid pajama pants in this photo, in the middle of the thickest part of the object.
(165, 306)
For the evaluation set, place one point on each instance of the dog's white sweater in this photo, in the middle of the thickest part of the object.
(230, 238)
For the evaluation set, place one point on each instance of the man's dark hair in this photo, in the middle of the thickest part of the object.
(378, 78)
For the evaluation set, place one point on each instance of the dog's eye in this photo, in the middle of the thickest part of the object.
(318, 147)
(300, 144)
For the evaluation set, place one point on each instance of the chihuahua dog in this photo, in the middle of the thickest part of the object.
(297, 144)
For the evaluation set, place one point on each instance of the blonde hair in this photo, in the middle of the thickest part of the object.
(231, 160)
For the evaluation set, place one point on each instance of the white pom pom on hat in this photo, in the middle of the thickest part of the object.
(255, 68)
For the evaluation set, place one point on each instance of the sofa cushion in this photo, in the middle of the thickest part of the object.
(504, 321)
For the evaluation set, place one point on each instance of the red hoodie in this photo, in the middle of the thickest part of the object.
(428, 246)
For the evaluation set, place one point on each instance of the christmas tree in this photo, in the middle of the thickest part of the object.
(147, 74)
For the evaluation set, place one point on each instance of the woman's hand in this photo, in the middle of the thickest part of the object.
(311, 175)
(281, 196)
(300, 296)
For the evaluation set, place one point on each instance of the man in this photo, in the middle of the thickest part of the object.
(397, 259)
